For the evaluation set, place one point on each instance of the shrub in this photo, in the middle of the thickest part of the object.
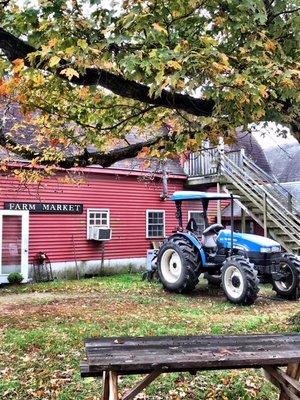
(15, 277)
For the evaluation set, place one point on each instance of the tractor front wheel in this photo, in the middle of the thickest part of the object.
(178, 265)
(239, 281)
(288, 286)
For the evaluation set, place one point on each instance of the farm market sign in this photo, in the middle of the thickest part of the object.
(45, 208)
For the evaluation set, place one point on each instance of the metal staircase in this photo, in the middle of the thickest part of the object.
(262, 197)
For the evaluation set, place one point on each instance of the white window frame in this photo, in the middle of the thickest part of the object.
(147, 224)
(95, 210)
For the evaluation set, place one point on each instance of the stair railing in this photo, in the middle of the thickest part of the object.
(273, 185)
(258, 194)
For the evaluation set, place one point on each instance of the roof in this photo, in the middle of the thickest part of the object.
(246, 141)
(194, 195)
(25, 133)
(285, 161)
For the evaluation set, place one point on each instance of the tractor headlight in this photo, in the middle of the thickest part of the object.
(274, 249)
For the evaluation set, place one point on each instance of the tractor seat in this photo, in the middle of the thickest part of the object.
(212, 229)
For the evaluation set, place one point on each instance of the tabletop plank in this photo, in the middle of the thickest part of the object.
(185, 353)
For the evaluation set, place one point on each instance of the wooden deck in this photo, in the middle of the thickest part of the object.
(110, 357)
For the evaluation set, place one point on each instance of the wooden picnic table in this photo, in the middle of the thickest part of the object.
(110, 357)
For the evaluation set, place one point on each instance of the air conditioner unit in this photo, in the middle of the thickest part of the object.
(96, 233)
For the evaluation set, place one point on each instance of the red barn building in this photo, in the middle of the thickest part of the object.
(58, 218)
(124, 204)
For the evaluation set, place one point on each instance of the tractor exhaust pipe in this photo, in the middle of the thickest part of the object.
(231, 223)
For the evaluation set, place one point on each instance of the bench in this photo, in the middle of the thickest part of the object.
(110, 357)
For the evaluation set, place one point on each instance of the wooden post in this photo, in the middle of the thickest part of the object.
(293, 371)
(105, 384)
(265, 216)
(219, 208)
(113, 385)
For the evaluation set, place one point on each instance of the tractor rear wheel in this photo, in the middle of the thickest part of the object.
(239, 280)
(178, 265)
(288, 286)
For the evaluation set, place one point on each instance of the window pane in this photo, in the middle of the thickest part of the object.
(155, 224)
(98, 218)
(198, 217)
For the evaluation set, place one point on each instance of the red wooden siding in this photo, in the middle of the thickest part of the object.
(127, 198)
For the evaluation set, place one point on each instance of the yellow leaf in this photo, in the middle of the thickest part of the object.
(54, 60)
(18, 65)
(70, 50)
(220, 21)
(82, 43)
(159, 28)
(260, 113)
(263, 91)
(224, 59)
(271, 46)
(84, 92)
(219, 67)
(208, 40)
(287, 82)
(239, 81)
(229, 96)
(174, 64)
(38, 79)
(4, 87)
(52, 42)
(70, 72)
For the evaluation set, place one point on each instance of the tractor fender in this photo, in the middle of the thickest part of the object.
(195, 241)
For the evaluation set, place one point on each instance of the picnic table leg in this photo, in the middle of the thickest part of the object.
(293, 371)
(105, 384)
(113, 385)
(287, 382)
(142, 385)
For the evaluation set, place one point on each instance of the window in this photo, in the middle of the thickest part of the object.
(155, 224)
(198, 217)
(97, 217)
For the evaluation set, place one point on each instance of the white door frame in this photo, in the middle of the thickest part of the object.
(24, 242)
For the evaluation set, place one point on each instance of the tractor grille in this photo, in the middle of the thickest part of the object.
(264, 259)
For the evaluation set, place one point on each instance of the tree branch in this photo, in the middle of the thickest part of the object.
(111, 157)
(15, 48)
(104, 159)
(284, 13)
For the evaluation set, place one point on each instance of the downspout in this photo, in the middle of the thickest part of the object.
(179, 214)
(165, 193)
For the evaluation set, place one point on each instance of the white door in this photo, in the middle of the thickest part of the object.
(14, 231)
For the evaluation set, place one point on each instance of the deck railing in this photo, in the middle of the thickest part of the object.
(207, 163)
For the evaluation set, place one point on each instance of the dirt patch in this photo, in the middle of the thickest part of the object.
(9, 302)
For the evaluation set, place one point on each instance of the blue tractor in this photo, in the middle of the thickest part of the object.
(236, 260)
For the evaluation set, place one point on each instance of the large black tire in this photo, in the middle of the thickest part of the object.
(239, 280)
(289, 286)
(178, 264)
(213, 280)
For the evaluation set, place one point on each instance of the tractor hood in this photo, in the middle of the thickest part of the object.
(248, 242)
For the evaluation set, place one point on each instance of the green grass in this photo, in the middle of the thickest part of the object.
(43, 327)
